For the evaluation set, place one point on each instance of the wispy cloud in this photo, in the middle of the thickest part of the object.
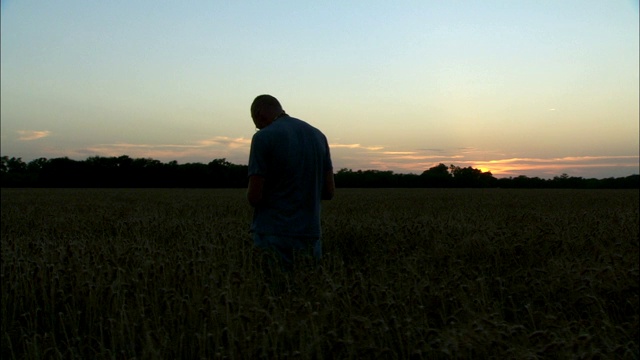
(567, 159)
(356, 146)
(379, 158)
(419, 160)
(585, 166)
(29, 135)
(232, 143)
(235, 150)
(398, 152)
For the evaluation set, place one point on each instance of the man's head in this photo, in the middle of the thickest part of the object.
(264, 110)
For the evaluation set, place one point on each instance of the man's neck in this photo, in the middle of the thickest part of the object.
(282, 114)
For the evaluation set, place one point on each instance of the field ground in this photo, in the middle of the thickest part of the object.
(416, 273)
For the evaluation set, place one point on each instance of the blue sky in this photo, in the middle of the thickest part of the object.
(535, 88)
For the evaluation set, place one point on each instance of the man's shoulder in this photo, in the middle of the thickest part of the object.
(290, 121)
(285, 126)
(306, 125)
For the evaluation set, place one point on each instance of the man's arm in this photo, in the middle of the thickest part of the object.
(254, 191)
(329, 186)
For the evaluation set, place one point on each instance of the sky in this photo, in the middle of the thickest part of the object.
(536, 88)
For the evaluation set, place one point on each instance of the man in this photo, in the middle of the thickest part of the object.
(290, 172)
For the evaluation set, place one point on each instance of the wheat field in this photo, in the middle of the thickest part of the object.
(406, 274)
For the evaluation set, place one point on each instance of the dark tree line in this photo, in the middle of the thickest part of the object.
(125, 172)
(442, 176)
(120, 172)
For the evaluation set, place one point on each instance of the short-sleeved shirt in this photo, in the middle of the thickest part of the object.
(293, 157)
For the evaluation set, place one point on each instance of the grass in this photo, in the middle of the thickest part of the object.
(421, 273)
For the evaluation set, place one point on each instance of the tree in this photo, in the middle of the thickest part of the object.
(469, 177)
(14, 172)
(37, 164)
(13, 165)
(437, 176)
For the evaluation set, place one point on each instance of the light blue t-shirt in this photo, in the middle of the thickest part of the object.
(293, 157)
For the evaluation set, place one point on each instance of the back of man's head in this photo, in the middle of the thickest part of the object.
(266, 103)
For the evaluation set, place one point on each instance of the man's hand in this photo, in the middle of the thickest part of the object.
(329, 186)
(254, 191)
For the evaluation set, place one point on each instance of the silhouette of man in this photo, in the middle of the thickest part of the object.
(290, 172)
